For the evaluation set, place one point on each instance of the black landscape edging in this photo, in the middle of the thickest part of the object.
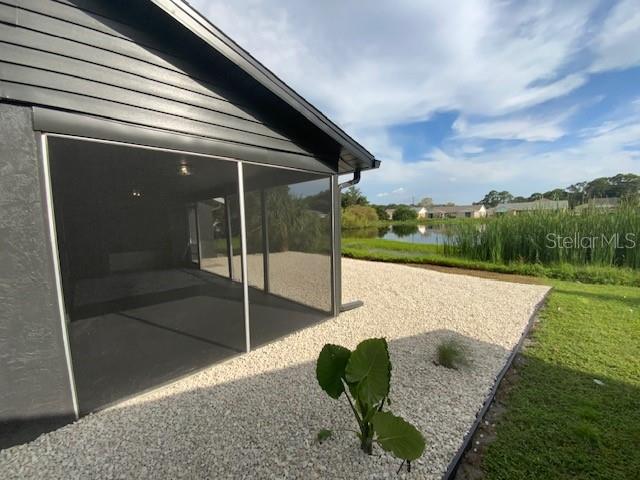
(466, 443)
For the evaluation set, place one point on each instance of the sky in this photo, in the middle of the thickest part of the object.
(460, 97)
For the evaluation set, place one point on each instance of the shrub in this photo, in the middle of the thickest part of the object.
(352, 196)
(364, 376)
(404, 214)
(357, 216)
(382, 213)
(451, 354)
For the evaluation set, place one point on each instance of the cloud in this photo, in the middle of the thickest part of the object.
(616, 45)
(498, 64)
(395, 192)
(610, 148)
(515, 127)
(518, 129)
(402, 61)
(471, 149)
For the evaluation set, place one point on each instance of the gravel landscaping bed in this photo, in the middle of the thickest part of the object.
(256, 416)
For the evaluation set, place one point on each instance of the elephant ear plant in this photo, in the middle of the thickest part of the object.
(364, 376)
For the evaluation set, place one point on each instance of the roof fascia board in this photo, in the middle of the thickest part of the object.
(196, 23)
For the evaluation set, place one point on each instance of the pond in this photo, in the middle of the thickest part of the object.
(428, 234)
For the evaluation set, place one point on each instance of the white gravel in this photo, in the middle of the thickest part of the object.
(256, 416)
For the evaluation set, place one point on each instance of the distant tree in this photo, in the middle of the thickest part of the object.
(535, 197)
(320, 202)
(404, 213)
(519, 199)
(425, 202)
(622, 185)
(504, 197)
(577, 193)
(381, 211)
(494, 197)
(357, 216)
(599, 188)
(556, 194)
(353, 196)
(626, 185)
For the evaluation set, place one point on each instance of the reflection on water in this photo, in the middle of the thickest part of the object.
(429, 234)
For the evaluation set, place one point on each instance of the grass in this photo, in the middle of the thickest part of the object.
(551, 237)
(559, 423)
(402, 252)
(451, 354)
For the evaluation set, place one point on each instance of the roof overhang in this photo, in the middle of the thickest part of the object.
(353, 155)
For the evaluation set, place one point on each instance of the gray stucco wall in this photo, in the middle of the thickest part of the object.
(34, 384)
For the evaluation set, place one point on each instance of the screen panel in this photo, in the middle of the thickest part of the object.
(144, 255)
(289, 239)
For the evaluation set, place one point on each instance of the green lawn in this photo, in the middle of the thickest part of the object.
(559, 423)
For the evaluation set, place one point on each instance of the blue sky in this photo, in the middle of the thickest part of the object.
(460, 97)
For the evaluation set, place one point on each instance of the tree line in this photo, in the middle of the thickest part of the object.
(622, 185)
(358, 212)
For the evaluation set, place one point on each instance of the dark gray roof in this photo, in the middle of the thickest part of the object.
(453, 208)
(542, 204)
(354, 155)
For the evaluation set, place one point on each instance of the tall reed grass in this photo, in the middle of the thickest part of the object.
(590, 237)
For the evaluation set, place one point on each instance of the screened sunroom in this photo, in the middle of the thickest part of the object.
(168, 203)
(172, 261)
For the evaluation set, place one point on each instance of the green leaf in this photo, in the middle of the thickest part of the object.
(330, 369)
(323, 435)
(370, 368)
(353, 389)
(397, 436)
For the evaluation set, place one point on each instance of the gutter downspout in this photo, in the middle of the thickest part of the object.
(353, 181)
(345, 307)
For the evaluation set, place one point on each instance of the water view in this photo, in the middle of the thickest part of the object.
(427, 234)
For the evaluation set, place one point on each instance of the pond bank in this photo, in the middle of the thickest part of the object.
(401, 252)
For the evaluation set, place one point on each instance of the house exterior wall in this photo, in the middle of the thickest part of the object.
(455, 211)
(421, 212)
(480, 213)
(34, 382)
(86, 67)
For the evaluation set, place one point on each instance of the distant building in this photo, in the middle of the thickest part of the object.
(607, 204)
(390, 212)
(420, 211)
(522, 207)
(455, 211)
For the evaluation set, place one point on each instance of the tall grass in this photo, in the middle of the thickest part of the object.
(592, 237)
